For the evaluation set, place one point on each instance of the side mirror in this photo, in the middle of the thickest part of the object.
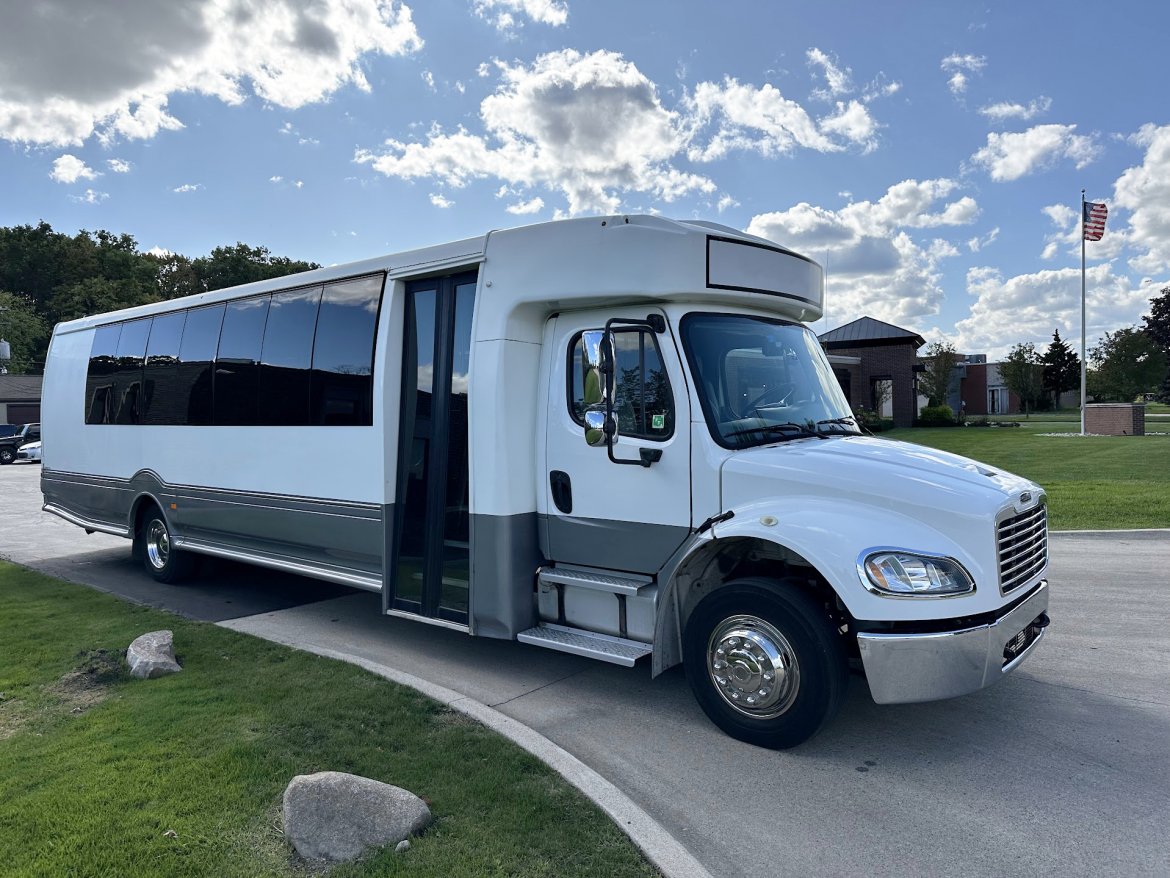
(597, 364)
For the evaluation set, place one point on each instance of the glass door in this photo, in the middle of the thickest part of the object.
(431, 561)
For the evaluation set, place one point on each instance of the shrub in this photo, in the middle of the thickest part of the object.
(872, 421)
(936, 416)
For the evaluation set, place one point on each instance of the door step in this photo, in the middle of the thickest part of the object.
(612, 583)
(616, 650)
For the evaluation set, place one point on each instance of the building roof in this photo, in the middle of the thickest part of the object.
(20, 388)
(868, 332)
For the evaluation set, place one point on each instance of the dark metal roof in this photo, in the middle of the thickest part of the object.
(20, 388)
(866, 331)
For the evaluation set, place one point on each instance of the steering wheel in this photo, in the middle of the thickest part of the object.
(779, 392)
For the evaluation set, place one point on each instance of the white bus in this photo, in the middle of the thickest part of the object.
(611, 436)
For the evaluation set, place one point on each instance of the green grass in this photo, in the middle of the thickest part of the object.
(1094, 482)
(95, 767)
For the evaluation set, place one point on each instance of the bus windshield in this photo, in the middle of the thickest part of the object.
(762, 381)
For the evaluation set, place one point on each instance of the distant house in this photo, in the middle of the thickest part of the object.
(20, 399)
(875, 365)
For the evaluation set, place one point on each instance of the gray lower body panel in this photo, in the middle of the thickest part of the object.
(616, 545)
(504, 559)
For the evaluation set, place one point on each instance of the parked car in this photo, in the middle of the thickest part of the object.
(10, 445)
(32, 452)
(7, 430)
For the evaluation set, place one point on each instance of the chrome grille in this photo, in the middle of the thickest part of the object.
(1023, 547)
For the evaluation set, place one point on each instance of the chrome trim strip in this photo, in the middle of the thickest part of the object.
(1011, 666)
(428, 620)
(86, 523)
(300, 568)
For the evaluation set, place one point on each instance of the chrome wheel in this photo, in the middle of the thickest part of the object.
(753, 666)
(158, 544)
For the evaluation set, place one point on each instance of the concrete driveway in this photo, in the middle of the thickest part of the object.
(1062, 769)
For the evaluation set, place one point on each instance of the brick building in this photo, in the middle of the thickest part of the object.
(875, 364)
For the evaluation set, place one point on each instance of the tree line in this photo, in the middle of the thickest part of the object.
(48, 276)
(1126, 365)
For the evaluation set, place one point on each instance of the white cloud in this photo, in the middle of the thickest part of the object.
(439, 201)
(873, 266)
(275, 179)
(593, 126)
(1010, 156)
(524, 208)
(70, 169)
(118, 166)
(298, 183)
(838, 79)
(68, 76)
(726, 202)
(1006, 110)
(502, 13)
(429, 79)
(979, 242)
(1145, 192)
(188, 187)
(90, 197)
(956, 64)
(1028, 307)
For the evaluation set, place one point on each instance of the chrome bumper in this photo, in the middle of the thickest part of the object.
(903, 668)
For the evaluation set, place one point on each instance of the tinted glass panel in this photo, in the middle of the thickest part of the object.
(128, 371)
(237, 365)
(343, 353)
(457, 519)
(196, 362)
(99, 383)
(643, 402)
(163, 403)
(287, 357)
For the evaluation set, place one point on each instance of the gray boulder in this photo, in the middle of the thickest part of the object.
(153, 655)
(335, 816)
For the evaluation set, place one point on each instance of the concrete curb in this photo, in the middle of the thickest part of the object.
(659, 846)
(1126, 530)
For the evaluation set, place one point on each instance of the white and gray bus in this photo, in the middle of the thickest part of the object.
(611, 436)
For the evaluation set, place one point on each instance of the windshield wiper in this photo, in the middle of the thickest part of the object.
(848, 420)
(787, 430)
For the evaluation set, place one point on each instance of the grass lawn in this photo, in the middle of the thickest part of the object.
(1092, 482)
(95, 767)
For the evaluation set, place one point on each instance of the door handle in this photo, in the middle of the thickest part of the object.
(562, 490)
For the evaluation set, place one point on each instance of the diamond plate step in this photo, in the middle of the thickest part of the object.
(597, 581)
(616, 650)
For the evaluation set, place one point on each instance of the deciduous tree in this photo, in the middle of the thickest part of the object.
(1126, 363)
(1023, 374)
(1156, 325)
(935, 383)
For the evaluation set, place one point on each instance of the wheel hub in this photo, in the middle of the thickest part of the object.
(158, 544)
(753, 666)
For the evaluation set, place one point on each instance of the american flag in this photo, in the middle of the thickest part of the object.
(1094, 220)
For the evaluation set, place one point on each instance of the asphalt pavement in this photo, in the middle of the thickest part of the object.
(1061, 769)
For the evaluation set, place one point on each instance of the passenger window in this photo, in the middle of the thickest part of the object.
(287, 357)
(161, 398)
(99, 382)
(643, 401)
(128, 371)
(343, 353)
(196, 363)
(237, 364)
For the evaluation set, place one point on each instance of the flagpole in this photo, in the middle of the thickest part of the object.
(1083, 367)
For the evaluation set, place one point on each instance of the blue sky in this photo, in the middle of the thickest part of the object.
(931, 155)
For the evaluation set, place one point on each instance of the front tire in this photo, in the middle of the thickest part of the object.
(764, 662)
(7, 455)
(159, 556)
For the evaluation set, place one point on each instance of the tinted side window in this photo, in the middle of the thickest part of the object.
(287, 357)
(196, 361)
(160, 378)
(643, 402)
(343, 353)
(128, 372)
(99, 382)
(237, 365)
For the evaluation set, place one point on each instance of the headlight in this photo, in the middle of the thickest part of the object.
(907, 574)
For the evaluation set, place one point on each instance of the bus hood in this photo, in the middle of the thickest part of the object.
(911, 479)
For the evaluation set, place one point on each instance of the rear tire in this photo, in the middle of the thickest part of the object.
(159, 556)
(764, 662)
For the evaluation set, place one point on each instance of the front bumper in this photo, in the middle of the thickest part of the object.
(904, 668)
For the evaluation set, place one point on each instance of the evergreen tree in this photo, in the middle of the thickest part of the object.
(1062, 368)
